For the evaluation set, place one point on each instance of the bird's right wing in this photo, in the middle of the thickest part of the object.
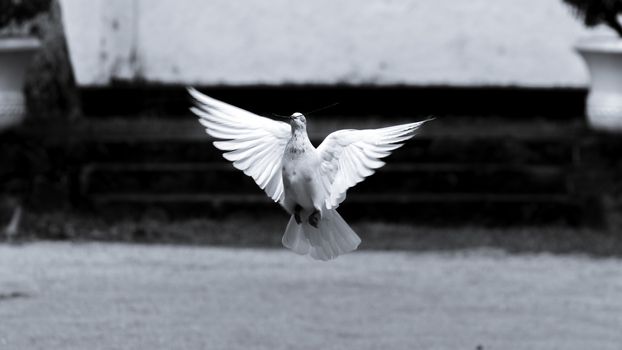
(253, 143)
(347, 157)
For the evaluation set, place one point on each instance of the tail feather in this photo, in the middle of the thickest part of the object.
(332, 238)
(295, 239)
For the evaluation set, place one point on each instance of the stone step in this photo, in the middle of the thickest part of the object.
(457, 170)
(423, 149)
(395, 177)
(436, 209)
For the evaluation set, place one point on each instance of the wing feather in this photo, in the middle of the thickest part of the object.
(254, 144)
(349, 156)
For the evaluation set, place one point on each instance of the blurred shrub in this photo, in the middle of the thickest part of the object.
(50, 85)
(594, 12)
(15, 15)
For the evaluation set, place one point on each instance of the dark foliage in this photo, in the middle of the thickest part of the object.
(594, 12)
(20, 11)
(50, 86)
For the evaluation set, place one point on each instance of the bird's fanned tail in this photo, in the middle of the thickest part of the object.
(332, 238)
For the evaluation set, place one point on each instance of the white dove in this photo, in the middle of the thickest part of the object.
(308, 182)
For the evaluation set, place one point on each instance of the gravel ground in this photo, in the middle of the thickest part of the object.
(120, 296)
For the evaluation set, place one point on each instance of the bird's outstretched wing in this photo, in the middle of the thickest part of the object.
(253, 143)
(349, 156)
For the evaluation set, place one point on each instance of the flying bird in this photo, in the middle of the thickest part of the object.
(308, 182)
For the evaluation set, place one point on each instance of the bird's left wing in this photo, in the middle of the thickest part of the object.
(253, 143)
(349, 156)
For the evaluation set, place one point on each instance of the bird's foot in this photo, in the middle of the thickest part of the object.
(314, 219)
(297, 210)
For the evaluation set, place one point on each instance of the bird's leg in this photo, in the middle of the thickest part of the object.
(314, 218)
(297, 210)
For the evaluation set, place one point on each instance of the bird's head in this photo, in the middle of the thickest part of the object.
(298, 121)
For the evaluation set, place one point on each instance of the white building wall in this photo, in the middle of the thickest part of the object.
(381, 42)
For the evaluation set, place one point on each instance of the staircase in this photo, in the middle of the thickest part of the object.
(465, 169)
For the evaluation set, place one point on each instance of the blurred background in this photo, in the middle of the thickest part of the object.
(497, 226)
(107, 130)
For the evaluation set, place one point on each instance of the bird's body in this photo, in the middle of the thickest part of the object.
(301, 175)
(308, 182)
(300, 182)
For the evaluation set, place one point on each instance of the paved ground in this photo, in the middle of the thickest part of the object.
(117, 296)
